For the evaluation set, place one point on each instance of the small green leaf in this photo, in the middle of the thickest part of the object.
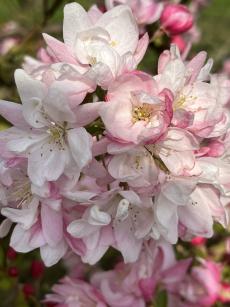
(5, 282)
(161, 299)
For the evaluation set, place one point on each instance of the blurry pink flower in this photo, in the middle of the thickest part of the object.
(145, 11)
(203, 285)
(176, 19)
(75, 293)
(136, 284)
(226, 68)
(7, 44)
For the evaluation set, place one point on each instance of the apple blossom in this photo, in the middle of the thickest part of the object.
(103, 159)
(49, 138)
(105, 47)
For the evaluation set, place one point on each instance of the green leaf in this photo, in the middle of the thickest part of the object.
(161, 299)
(20, 300)
(5, 282)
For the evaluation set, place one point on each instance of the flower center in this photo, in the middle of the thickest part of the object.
(57, 135)
(180, 101)
(143, 112)
(92, 60)
(113, 43)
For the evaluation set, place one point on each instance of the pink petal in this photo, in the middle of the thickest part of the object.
(141, 48)
(59, 49)
(52, 225)
(12, 112)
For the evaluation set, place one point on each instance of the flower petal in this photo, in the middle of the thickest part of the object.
(80, 143)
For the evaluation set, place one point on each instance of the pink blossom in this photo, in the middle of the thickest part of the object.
(136, 111)
(7, 44)
(45, 233)
(176, 19)
(73, 293)
(145, 12)
(117, 218)
(136, 284)
(198, 106)
(104, 46)
(46, 130)
(202, 286)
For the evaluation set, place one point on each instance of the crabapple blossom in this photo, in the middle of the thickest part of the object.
(105, 160)
(44, 133)
(104, 48)
(136, 111)
(199, 107)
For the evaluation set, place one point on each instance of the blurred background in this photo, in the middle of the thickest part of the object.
(22, 22)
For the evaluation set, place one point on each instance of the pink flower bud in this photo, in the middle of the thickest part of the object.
(198, 241)
(11, 254)
(37, 269)
(28, 290)
(176, 19)
(13, 271)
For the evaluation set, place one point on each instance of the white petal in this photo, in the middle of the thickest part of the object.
(122, 210)
(97, 217)
(20, 240)
(80, 143)
(76, 20)
(25, 217)
(122, 27)
(32, 93)
(46, 163)
(21, 141)
(56, 103)
(5, 227)
(12, 112)
(81, 228)
(51, 255)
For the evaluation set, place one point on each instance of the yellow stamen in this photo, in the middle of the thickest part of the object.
(113, 43)
(179, 102)
(143, 112)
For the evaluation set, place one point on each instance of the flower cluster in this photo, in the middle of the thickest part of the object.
(104, 155)
(136, 284)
